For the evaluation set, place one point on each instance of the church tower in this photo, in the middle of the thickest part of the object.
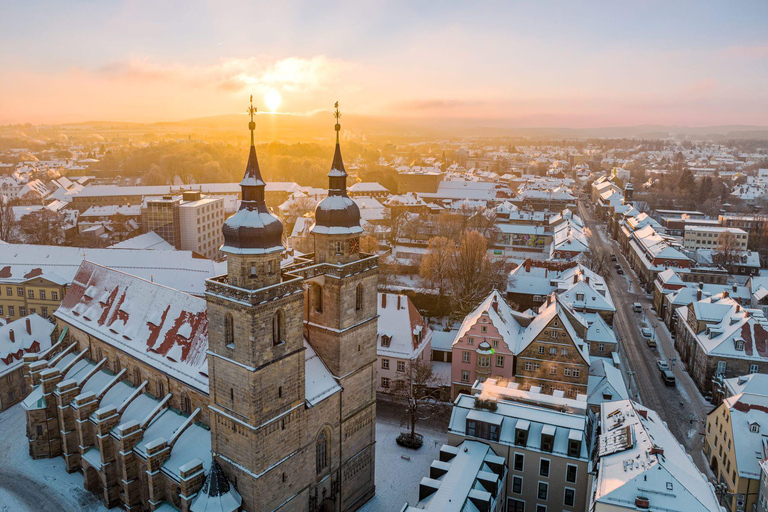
(256, 359)
(341, 326)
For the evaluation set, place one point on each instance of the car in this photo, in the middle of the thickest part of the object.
(617, 266)
(650, 342)
(620, 271)
(663, 365)
(637, 307)
(613, 257)
(646, 332)
(668, 377)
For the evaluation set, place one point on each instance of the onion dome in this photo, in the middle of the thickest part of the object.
(217, 494)
(337, 214)
(253, 229)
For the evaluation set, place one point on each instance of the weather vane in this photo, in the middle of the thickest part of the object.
(337, 115)
(252, 125)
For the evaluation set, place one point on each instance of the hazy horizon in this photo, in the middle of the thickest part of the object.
(542, 64)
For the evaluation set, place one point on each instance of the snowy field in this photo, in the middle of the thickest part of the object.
(28, 485)
(397, 479)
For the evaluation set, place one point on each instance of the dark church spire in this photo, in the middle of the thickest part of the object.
(337, 178)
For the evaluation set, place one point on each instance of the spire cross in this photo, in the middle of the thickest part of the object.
(337, 115)
(252, 125)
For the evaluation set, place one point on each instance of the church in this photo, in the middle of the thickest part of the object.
(259, 397)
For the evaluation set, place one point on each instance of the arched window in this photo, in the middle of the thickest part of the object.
(321, 452)
(229, 330)
(317, 297)
(359, 297)
(278, 327)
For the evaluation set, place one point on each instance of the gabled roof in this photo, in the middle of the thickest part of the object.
(401, 322)
(506, 320)
(605, 383)
(745, 410)
(542, 320)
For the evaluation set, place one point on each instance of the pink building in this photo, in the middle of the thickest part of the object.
(486, 343)
(403, 337)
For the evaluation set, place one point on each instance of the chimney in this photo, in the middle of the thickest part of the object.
(398, 302)
(29, 326)
(657, 450)
(528, 265)
(549, 300)
(698, 294)
(12, 336)
(495, 305)
(701, 285)
(586, 279)
(735, 287)
(725, 294)
(643, 413)
(575, 278)
(738, 308)
(383, 300)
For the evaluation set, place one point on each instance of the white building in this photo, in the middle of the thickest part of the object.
(200, 222)
(707, 237)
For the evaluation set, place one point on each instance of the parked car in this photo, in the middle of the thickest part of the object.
(646, 332)
(668, 377)
(617, 266)
(663, 365)
(620, 271)
(637, 307)
(613, 257)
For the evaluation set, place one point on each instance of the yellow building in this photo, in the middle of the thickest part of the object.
(735, 431)
(39, 294)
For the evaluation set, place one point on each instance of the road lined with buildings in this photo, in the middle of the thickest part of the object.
(681, 406)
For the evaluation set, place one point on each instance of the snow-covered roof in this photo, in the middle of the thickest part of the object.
(605, 383)
(507, 321)
(754, 383)
(403, 325)
(542, 320)
(24, 335)
(148, 240)
(179, 269)
(319, 384)
(637, 454)
(162, 327)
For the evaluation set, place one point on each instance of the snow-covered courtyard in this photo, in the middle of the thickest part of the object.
(397, 479)
(28, 485)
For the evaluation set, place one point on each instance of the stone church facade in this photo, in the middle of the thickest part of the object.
(260, 397)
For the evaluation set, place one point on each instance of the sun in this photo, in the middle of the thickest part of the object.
(272, 99)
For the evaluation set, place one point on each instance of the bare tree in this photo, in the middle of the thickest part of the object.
(473, 273)
(43, 227)
(436, 264)
(418, 389)
(369, 244)
(727, 247)
(595, 260)
(7, 220)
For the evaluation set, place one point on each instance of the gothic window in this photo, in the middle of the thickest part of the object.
(160, 388)
(278, 327)
(321, 452)
(229, 330)
(359, 298)
(253, 269)
(317, 297)
(186, 405)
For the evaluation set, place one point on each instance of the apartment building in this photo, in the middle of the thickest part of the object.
(708, 237)
(641, 466)
(735, 436)
(718, 338)
(470, 476)
(189, 222)
(544, 440)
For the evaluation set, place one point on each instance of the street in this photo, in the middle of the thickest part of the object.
(682, 407)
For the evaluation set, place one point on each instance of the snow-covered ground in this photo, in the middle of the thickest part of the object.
(28, 485)
(397, 479)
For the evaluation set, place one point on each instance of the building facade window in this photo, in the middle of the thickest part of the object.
(543, 491)
(401, 366)
(517, 484)
(317, 297)
(500, 361)
(465, 357)
(384, 382)
(464, 376)
(321, 452)
(519, 462)
(278, 327)
(385, 364)
(359, 297)
(571, 472)
(544, 468)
